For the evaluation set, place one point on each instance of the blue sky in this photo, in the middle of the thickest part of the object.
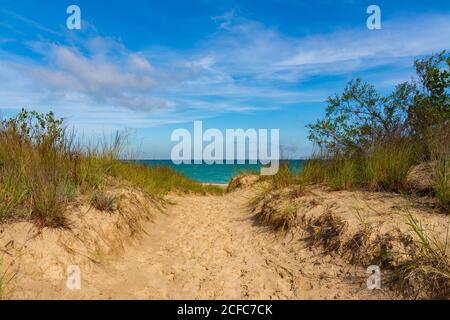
(149, 67)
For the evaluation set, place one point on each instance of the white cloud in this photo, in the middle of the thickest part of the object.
(122, 80)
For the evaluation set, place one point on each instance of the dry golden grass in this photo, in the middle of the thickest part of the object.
(104, 202)
(426, 271)
(326, 231)
(272, 211)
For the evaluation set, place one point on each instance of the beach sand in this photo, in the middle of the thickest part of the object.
(200, 247)
(204, 247)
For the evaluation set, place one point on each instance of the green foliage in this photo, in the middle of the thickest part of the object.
(359, 117)
(431, 107)
(31, 126)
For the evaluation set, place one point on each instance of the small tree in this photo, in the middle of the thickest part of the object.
(360, 117)
(429, 114)
(418, 111)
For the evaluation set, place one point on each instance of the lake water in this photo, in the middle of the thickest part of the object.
(215, 173)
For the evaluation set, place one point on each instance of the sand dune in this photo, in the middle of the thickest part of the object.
(209, 247)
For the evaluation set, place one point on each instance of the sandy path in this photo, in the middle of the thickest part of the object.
(210, 248)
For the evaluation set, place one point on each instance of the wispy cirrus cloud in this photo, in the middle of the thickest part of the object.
(431, 33)
(250, 48)
(30, 22)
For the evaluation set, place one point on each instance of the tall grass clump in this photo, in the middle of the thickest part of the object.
(343, 173)
(315, 171)
(442, 184)
(387, 165)
(338, 172)
(284, 177)
(427, 269)
(104, 202)
(35, 160)
(384, 167)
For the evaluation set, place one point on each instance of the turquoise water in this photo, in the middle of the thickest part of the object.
(215, 173)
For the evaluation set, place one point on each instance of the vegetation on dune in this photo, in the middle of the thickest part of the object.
(371, 141)
(42, 169)
(159, 179)
(103, 202)
(284, 177)
(417, 112)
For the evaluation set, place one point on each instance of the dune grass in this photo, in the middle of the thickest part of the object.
(385, 167)
(442, 185)
(284, 177)
(158, 179)
(271, 210)
(326, 230)
(382, 168)
(42, 169)
(427, 269)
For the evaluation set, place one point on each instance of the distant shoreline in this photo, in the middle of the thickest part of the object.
(221, 185)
